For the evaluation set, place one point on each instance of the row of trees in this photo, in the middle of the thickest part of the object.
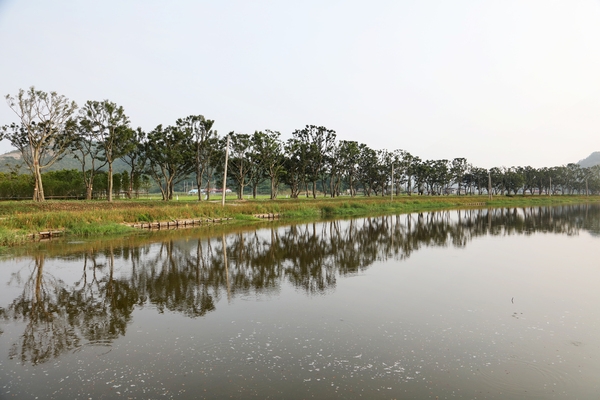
(312, 160)
(68, 184)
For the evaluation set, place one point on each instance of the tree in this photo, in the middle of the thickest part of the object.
(349, 153)
(240, 149)
(215, 159)
(457, 170)
(200, 129)
(318, 142)
(335, 169)
(479, 178)
(257, 173)
(117, 184)
(367, 169)
(135, 158)
(497, 177)
(170, 153)
(268, 151)
(126, 183)
(85, 149)
(109, 126)
(407, 166)
(529, 175)
(44, 132)
(513, 180)
(385, 160)
(295, 170)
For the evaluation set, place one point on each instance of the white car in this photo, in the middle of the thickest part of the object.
(193, 191)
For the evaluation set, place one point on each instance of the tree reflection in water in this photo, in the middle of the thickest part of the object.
(190, 275)
(47, 331)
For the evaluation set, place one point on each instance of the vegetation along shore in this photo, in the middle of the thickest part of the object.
(21, 219)
(93, 152)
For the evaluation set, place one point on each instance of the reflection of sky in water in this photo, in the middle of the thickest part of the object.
(472, 315)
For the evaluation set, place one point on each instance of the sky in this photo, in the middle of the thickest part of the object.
(501, 83)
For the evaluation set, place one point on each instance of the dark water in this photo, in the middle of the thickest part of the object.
(473, 304)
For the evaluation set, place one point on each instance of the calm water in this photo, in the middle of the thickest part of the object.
(472, 304)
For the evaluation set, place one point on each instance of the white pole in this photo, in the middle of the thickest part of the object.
(225, 172)
(392, 196)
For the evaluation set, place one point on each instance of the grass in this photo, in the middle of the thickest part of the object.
(100, 218)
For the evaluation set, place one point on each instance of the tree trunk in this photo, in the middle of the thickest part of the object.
(199, 184)
(163, 192)
(130, 189)
(171, 189)
(198, 171)
(110, 182)
(207, 189)
(38, 191)
(273, 194)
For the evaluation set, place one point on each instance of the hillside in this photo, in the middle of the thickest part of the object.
(591, 160)
(11, 160)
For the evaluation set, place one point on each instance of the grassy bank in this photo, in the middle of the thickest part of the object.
(100, 218)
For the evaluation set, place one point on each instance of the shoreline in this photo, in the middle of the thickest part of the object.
(22, 221)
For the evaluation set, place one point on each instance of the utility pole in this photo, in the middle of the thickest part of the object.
(392, 196)
(225, 172)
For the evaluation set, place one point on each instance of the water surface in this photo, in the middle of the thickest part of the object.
(497, 304)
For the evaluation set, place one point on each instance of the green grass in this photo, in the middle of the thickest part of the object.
(10, 237)
(98, 229)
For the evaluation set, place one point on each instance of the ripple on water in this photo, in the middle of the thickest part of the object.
(524, 378)
(96, 347)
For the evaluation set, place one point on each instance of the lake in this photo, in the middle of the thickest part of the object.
(476, 304)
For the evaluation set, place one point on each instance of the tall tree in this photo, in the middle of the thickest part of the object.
(85, 149)
(170, 153)
(239, 169)
(44, 131)
(294, 164)
(268, 151)
(335, 168)
(407, 166)
(368, 169)
(319, 143)
(110, 127)
(201, 131)
(215, 159)
(135, 158)
(349, 152)
(458, 169)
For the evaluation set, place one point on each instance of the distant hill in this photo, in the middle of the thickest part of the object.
(12, 160)
(591, 160)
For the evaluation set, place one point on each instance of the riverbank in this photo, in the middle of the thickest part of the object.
(19, 220)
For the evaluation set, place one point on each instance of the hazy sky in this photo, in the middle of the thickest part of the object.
(498, 82)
